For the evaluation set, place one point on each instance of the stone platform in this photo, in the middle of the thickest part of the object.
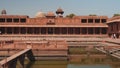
(55, 47)
(44, 49)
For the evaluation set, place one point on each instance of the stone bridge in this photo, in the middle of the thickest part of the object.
(11, 61)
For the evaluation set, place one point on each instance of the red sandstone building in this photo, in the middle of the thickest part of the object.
(114, 26)
(55, 24)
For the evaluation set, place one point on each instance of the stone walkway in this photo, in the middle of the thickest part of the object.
(41, 45)
(113, 40)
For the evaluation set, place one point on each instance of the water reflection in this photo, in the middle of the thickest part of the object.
(47, 64)
(88, 66)
(77, 61)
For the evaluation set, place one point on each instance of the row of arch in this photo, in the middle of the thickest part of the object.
(52, 30)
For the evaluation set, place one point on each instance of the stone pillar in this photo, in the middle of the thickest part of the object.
(5, 30)
(39, 30)
(108, 29)
(46, 30)
(21, 59)
(113, 28)
(30, 55)
(118, 29)
(87, 20)
(73, 30)
(60, 31)
(32, 30)
(80, 30)
(53, 30)
(26, 30)
(19, 30)
(12, 30)
(100, 31)
(19, 20)
(5, 20)
(12, 64)
(100, 20)
(67, 30)
(87, 30)
(118, 26)
(93, 30)
(93, 20)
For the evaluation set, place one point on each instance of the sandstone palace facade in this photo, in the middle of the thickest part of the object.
(51, 24)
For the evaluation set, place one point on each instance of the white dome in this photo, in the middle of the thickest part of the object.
(40, 14)
(3, 12)
(50, 14)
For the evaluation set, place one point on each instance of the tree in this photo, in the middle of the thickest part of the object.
(116, 15)
(70, 15)
(92, 15)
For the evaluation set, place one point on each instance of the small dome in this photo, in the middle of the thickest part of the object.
(40, 14)
(50, 14)
(3, 12)
(59, 11)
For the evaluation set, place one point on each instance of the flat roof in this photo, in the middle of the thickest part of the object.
(14, 16)
(92, 25)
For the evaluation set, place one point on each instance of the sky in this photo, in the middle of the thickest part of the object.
(78, 7)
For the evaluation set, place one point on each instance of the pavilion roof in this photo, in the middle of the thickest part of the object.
(112, 21)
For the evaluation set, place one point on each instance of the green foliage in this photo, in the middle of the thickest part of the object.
(116, 15)
(92, 15)
(70, 15)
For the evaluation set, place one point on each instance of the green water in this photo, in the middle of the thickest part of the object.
(85, 60)
(107, 62)
(88, 66)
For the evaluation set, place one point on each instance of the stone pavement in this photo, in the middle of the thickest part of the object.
(113, 40)
(41, 45)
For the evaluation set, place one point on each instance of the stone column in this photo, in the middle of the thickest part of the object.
(39, 30)
(87, 20)
(108, 29)
(12, 30)
(100, 20)
(73, 30)
(19, 30)
(53, 30)
(5, 30)
(32, 30)
(100, 31)
(30, 55)
(118, 26)
(21, 59)
(12, 64)
(93, 30)
(26, 30)
(60, 30)
(80, 30)
(93, 20)
(46, 30)
(87, 30)
(67, 30)
(113, 27)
